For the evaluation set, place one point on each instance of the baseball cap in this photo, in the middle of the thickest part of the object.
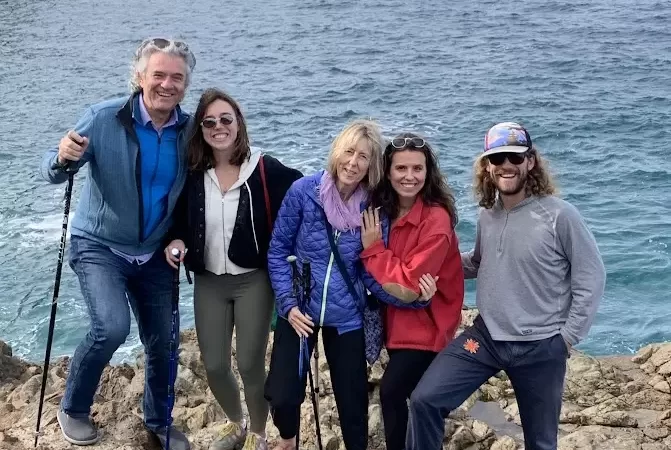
(507, 137)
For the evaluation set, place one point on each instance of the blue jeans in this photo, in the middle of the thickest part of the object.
(110, 284)
(536, 370)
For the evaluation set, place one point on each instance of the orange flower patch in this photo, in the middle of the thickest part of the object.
(471, 346)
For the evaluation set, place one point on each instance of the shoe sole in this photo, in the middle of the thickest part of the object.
(235, 447)
(75, 441)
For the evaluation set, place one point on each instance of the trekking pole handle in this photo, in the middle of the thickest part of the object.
(295, 281)
(306, 280)
(176, 253)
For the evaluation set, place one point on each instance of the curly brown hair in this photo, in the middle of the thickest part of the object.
(539, 181)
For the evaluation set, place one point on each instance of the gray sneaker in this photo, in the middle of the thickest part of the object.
(78, 431)
(177, 439)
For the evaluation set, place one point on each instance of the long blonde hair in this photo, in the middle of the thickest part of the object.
(349, 137)
(539, 181)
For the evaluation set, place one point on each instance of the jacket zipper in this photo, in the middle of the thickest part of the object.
(503, 230)
(153, 175)
(138, 182)
(326, 283)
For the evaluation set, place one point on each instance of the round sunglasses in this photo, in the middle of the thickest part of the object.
(211, 122)
(499, 158)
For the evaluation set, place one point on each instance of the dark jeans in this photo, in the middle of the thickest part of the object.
(285, 391)
(536, 370)
(403, 372)
(109, 285)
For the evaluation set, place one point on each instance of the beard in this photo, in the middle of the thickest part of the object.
(505, 187)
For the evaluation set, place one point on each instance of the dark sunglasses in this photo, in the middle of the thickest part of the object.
(499, 158)
(211, 122)
(408, 142)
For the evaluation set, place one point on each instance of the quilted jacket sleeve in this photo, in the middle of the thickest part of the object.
(282, 244)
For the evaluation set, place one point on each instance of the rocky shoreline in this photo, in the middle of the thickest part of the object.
(609, 403)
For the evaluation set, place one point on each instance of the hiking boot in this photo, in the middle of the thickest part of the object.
(229, 437)
(177, 439)
(78, 431)
(255, 442)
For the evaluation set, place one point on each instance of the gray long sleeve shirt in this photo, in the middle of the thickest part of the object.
(539, 271)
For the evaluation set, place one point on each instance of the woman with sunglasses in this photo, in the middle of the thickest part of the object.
(222, 229)
(414, 200)
(320, 223)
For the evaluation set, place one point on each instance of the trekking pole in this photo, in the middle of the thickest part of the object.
(54, 301)
(307, 290)
(295, 283)
(316, 373)
(173, 350)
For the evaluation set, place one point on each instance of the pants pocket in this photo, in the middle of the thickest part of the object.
(560, 347)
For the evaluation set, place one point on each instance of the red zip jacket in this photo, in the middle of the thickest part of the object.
(422, 241)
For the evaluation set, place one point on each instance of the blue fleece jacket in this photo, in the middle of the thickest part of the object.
(300, 230)
(111, 205)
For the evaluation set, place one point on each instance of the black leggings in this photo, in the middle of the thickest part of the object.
(347, 363)
(400, 378)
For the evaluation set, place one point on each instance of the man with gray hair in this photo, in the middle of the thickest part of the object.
(135, 148)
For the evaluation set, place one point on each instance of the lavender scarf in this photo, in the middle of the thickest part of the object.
(342, 215)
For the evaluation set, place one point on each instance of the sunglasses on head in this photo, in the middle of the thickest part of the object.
(408, 142)
(163, 43)
(499, 158)
(211, 122)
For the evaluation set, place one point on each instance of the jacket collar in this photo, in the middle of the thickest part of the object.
(414, 216)
(313, 190)
(520, 205)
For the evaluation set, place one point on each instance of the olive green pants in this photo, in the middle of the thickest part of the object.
(244, 302)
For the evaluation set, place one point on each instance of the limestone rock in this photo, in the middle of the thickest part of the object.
(648, 368)
(504, 443)
(656, 379)
(609, 403)
(600, 437)
(5, 349)
(643, 354)
(663, 386)
(665, 369)
(654, 446)
(656, 433)
(661, 356)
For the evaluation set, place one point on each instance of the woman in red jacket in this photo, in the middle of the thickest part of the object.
(415, 198)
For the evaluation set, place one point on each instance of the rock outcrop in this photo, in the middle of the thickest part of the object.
(609, 403)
